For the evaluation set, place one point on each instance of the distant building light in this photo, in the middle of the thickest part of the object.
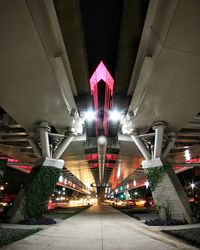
(187, 155)
(146, 184)
(60, 179)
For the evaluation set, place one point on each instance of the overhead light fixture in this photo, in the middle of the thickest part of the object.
(114, 115)
(90, 116)
(134, 183)
(187, 155)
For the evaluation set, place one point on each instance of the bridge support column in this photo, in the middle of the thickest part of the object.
(33, 200)
(127, 195)
(168, 193)
(101, 194)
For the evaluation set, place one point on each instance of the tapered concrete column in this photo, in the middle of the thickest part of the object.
(141, 146)
(65, 143)
(169, 145)
(32, 200)
(159, 132)
(167, 191)
(44, 129)
(34, 146)
(101, 194)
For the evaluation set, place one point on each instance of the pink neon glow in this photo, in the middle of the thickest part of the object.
(93, 165)
(113, 157)
(9, 159)
(194, 160)
(101, 73)
(91, 157)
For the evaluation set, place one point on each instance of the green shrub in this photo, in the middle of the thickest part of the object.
(38, 189)
(155, 176)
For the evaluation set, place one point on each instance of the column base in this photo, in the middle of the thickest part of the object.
(32, 201)
(168, 193)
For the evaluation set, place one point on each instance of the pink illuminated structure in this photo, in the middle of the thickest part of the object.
(101, 73)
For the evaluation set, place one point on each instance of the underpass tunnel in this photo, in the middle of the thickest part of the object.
(127, 71)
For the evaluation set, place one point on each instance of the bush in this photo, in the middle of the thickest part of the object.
(41, 221)
(38, 189)
(160, 222)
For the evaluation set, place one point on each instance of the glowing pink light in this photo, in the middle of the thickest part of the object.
(101, 73)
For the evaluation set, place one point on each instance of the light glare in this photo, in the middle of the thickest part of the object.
(114, 115)
(90, 116)
(146, 184)
(187, 155)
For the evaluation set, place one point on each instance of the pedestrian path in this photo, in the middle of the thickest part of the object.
(99, 228)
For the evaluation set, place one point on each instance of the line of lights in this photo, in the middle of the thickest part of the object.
(91, 115)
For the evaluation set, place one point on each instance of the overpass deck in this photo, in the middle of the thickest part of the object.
(99, 228)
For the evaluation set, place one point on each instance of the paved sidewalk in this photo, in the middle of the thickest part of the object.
(99, 228)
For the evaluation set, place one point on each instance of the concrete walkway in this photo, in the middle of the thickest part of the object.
(97, 228)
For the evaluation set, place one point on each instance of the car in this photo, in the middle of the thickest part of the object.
(130, 203)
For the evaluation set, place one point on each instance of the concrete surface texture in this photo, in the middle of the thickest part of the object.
(100, 227)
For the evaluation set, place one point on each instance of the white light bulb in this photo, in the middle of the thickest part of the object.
(90, 116)
(114, 115)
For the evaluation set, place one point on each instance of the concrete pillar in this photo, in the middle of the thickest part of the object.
(127, 195)
(167, 191)
(159, 132)
(141, 146)
(169, 196)
(32, 200)
(44, 130)
(101, 194)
